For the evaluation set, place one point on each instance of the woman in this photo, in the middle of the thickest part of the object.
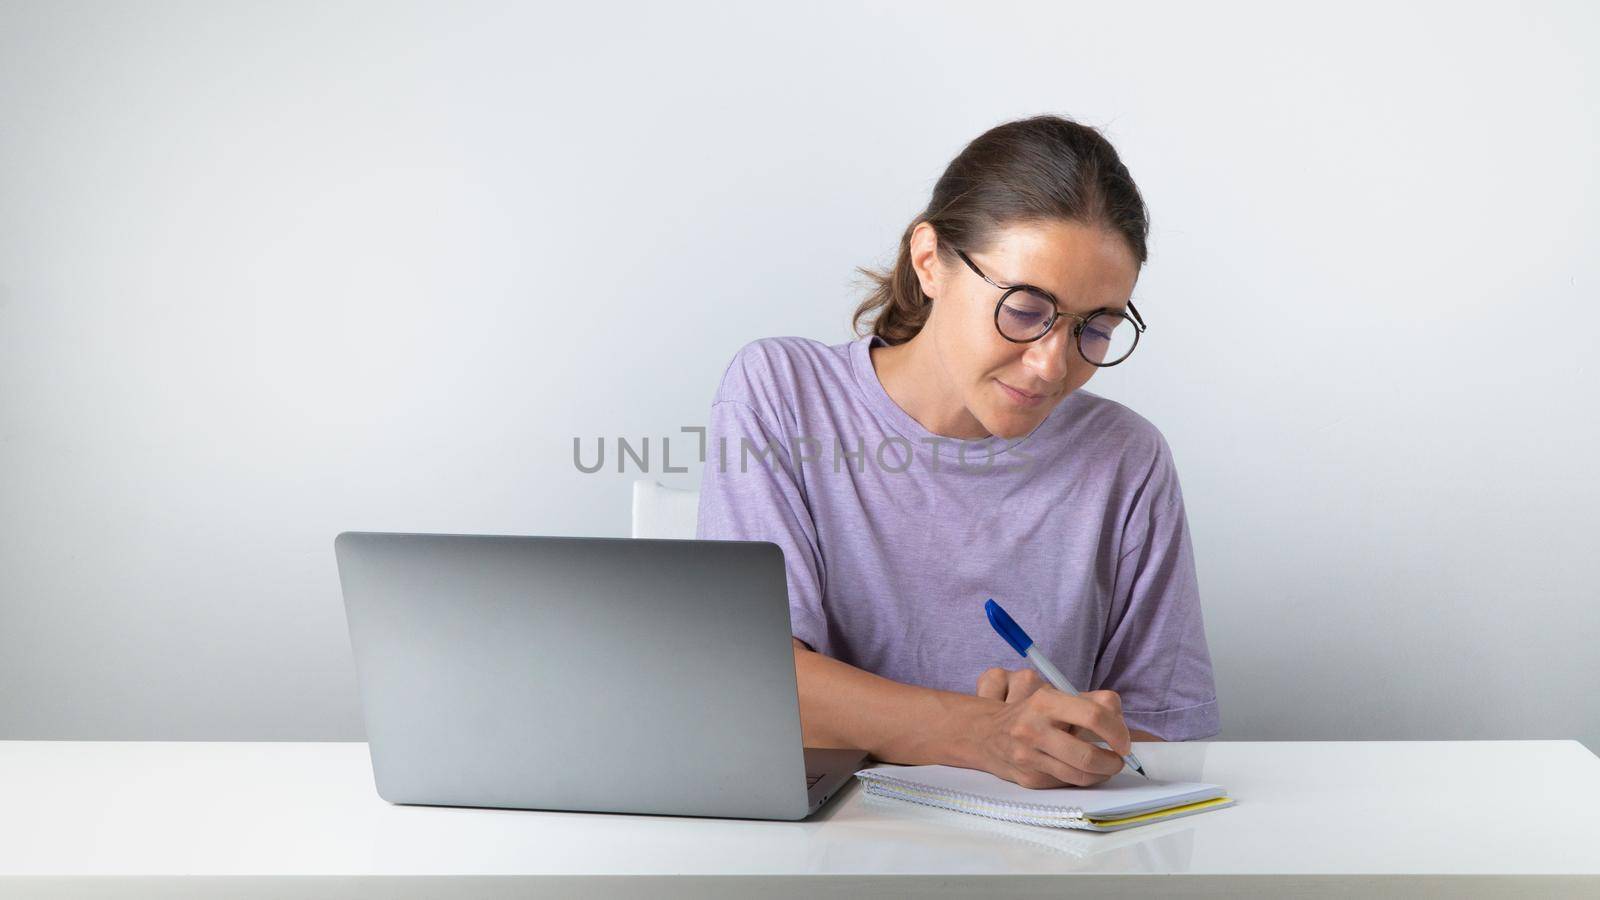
(950, 456)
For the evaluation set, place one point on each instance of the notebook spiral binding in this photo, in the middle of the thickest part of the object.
(908, 790)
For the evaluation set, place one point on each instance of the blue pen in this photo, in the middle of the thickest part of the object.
(1020, 642)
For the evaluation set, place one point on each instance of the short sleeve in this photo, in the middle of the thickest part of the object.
(1155, 654)
(749, 492)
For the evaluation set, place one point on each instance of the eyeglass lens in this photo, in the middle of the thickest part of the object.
(1106, 338)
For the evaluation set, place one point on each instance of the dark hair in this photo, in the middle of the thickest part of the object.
(1037, 169)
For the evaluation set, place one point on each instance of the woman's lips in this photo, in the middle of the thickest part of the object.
(1020, 397)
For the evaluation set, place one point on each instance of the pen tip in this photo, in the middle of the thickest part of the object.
(1141, 771)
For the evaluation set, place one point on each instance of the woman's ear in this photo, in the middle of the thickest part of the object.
(925, 259)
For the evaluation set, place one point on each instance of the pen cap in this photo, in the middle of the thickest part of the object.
(1011, 631)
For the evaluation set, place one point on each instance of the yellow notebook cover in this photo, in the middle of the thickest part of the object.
(1123, 801)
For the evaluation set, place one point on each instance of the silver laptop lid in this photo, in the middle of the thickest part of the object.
(595, 674)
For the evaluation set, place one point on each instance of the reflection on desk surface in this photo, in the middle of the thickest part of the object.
(992, 845)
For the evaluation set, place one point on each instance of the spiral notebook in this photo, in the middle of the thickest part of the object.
(1122, 801)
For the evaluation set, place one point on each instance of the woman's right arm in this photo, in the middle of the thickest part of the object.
(1025, 741)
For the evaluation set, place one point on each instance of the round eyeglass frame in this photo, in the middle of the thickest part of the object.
(1136, 320)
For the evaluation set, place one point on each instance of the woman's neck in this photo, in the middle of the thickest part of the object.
(914, 379)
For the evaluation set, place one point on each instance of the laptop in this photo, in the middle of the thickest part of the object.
(617, 675)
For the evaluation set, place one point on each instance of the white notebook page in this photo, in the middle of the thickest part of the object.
(1122, 794)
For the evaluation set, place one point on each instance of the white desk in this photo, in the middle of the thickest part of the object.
(189, 819)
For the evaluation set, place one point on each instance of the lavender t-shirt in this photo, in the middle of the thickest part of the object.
(894, 537)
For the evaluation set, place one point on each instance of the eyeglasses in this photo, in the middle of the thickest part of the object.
(1025, 314)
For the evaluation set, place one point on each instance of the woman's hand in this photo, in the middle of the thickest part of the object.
(1010, 685)
(1039, 737)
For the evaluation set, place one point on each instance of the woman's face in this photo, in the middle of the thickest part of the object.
(1084, 267)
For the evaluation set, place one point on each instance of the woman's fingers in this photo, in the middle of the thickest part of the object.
(1110, 699)
(1041, 770)
(1023, 683)
(1009, 685)
(992, 684)
(1078, 753)
(1100, 712)
(1046, 738)
(1116, 731)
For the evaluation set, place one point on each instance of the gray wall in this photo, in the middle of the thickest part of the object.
(271, 272)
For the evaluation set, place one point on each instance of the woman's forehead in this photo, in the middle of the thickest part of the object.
(1085, 267)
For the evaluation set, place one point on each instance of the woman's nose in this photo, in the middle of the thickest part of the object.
(1048, 356)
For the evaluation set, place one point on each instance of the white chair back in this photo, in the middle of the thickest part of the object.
(663, 512)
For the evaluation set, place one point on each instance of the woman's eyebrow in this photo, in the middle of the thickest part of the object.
(1032, 287)
(1057, 300)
